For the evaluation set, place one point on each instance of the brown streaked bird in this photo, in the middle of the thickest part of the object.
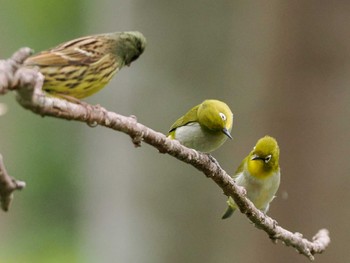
(81, 67)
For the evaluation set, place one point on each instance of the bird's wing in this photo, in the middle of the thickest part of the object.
(237, 177)
(64, 58)
(240, 168)
(79, 51)
(190, 116)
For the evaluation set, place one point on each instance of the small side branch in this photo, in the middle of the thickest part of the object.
(28, 85)
(7, 186)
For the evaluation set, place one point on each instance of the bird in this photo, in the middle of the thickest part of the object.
(205, 127)
(259, 173)
(81, 67)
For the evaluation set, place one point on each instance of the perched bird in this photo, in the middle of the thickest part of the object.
(83, 66)
(205, 127)
(259, 174)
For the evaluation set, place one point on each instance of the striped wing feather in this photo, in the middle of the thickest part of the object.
(80, 51)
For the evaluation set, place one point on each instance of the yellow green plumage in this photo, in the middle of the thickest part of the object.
(205, 127)
(259, 174)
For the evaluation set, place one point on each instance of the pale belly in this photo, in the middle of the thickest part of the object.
(195, 137)
(260, 191)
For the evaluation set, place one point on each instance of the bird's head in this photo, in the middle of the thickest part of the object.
(263, 160)
(216, 116)
(129, 45)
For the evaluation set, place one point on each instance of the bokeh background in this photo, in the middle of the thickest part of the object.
(282, 66)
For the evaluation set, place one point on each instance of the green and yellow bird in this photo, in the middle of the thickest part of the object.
(259, 173)
(81, 67)
(205, 127)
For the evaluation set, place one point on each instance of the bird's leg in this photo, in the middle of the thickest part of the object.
(213, 160)
(90, 108)
(70, 99)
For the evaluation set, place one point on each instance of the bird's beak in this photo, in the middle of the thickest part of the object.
(255, 157)
(227, 133)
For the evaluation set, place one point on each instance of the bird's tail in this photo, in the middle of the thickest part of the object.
(228, 212)
(231, 208)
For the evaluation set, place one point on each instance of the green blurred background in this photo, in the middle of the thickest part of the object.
(282, 66)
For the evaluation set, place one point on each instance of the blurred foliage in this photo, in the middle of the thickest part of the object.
(42, 152)
(39, 24)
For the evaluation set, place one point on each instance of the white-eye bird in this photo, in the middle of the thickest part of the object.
(205, 127)
(259, 174)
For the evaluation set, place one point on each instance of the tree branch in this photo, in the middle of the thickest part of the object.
(28, 85)
(7, 186)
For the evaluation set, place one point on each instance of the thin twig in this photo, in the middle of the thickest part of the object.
(7, 186)
(28, 84)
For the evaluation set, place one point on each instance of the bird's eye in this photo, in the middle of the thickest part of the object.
(267, 158)
(223, 116)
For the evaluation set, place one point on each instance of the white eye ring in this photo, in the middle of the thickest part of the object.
(268, 158)
(223, 116)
